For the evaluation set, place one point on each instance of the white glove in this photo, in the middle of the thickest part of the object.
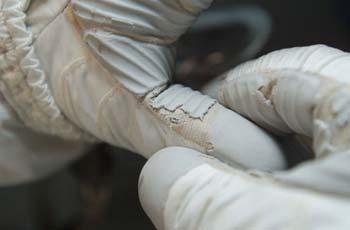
(101, 69)
(300, 90)
(26, 155)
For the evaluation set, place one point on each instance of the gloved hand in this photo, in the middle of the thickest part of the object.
(299, 90)
(101, 70)
(25, 154)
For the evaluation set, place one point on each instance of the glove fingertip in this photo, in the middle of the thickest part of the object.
(160, 174)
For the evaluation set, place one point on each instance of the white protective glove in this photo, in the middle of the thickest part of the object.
(300, 90)
(100, 71)
(27, 155)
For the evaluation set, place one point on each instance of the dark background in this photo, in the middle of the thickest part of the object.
(100, 191)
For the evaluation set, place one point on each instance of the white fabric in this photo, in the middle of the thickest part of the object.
(23, 82)
(26, 155)
(156, 21)
(327, 175)
(158, 177)
(299, 90)
(113, 85)
(41, 13)
(183, 189)
(302, 90)
(208, 198)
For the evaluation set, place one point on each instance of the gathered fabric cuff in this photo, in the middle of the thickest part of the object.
(23, 82)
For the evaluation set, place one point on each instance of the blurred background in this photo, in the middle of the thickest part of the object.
(100, 191)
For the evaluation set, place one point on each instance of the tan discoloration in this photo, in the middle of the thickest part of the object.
(70, 15)
(192, 129)
(267, 90)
